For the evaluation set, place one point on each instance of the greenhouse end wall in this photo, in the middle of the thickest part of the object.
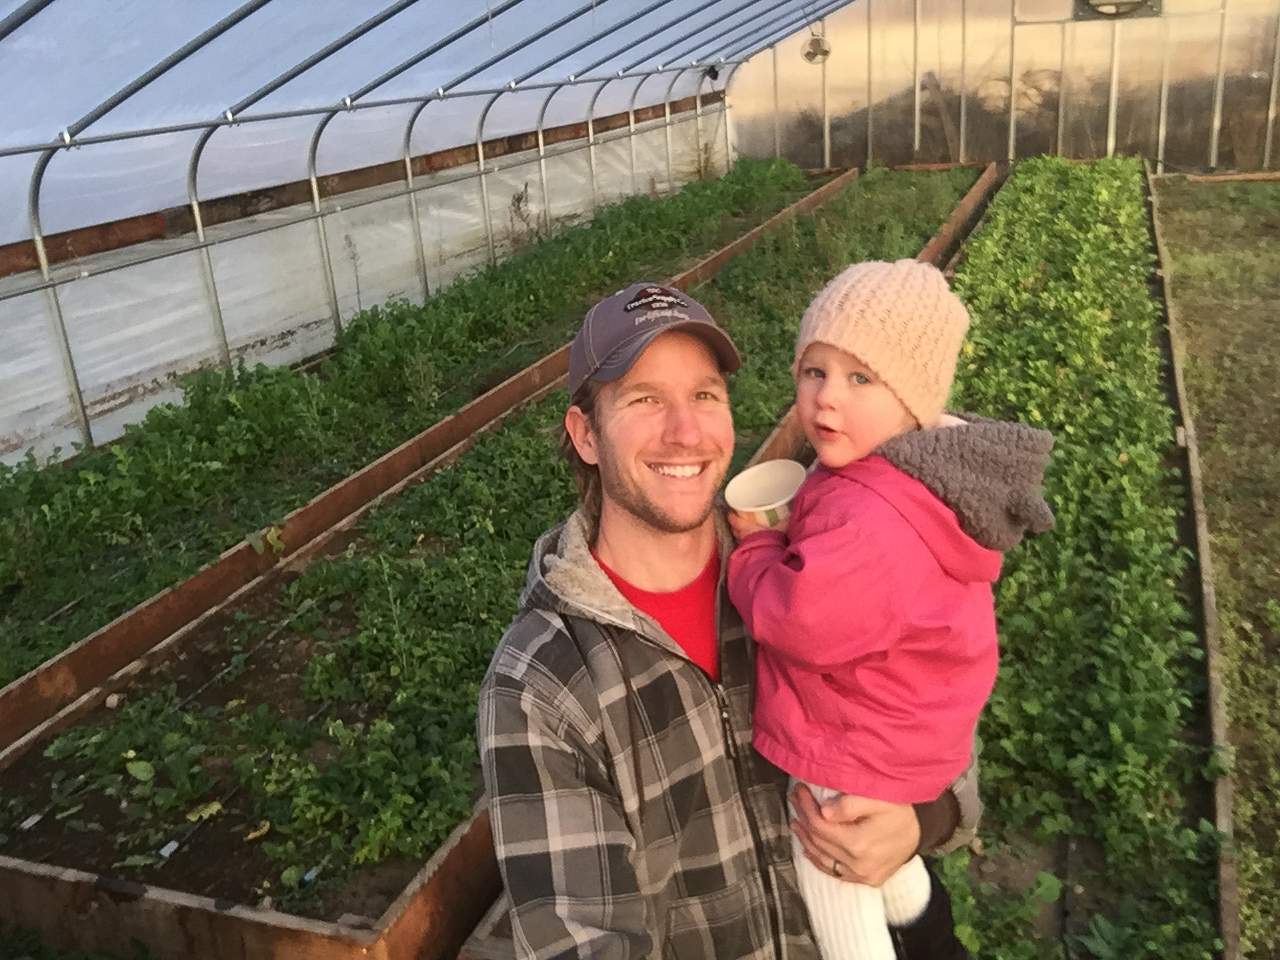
(1192, 89)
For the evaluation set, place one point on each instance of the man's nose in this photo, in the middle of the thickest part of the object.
(681, 426)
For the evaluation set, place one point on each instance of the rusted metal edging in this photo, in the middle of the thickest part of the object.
(1215, 663)
(37, 696)
(1262, 177)
(72, 909)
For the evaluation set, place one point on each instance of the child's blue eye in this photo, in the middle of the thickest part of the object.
(861, 378)
(814, 373)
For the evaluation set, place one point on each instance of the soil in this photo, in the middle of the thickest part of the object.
(272, 675)
(1224, 243)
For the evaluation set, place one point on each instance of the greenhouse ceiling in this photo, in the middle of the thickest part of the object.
(119, 108)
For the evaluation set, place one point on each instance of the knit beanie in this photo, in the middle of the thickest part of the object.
(901, 320)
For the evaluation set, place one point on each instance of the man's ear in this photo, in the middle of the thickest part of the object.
(578, 426)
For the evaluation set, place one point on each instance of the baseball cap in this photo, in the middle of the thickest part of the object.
(618, 329)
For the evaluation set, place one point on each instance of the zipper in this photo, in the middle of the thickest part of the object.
(731, 748)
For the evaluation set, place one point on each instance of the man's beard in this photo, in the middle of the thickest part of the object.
(635, 502)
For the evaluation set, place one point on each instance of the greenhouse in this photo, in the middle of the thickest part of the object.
(286, 297)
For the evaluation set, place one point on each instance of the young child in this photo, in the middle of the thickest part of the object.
(874, 613)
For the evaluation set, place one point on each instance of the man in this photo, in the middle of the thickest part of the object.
(631, 816)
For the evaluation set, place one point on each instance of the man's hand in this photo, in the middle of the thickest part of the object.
(744, 524)
(869, 839)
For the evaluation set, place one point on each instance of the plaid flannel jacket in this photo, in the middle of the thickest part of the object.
(631, 816)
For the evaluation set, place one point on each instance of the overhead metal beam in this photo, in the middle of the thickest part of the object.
(20, 16)
(320, 55)
(164, 66)
(689, 53)
(745, 49)
(689, 34)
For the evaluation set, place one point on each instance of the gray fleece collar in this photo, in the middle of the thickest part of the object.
(991, 473)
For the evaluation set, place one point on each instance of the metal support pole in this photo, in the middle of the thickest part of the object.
(1113, 97)
(870, 108)
(729, 157)
(666, 108)
(542, 159)
(631, 127)
(484, 180)
(419, 249)
(1063, 87)
(1162, 136)
(326, 260)
(1215, 134)
(1013, 91)
(777, 106)
(206, 257)
(964, 77)
(591, 146)
(55, 304)
(1271, 102)
(701, 151)
(915, 81)
(826, 112)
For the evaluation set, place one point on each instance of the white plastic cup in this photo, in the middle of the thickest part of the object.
(765, 490)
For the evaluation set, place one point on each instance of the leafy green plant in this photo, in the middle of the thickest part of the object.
(1085, 734)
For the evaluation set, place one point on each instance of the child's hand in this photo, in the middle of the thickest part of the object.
(744, 524)
(950, 420)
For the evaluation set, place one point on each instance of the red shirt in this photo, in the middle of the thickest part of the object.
(687, 614)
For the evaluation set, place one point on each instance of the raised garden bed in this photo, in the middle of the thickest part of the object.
(343, 721)
(1221, 245)
(1096, 761)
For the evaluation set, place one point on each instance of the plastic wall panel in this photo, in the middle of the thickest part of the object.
(275, 305)
(569, 105)
(1088, 89)
(434, 129)
(241, 158)
(1249, 56)
(84, 186)
(453, 233)
(515, 202)
(1138, 93)
(1037, 59)
(800, 97)
(893, 32)
(362, 138)
(939, 72)
(987, 47)
(37, 412)
(569, 186)
(374, 258)
(517, 112)
(750, 98)
(15, 181)
(133, 333)
(651, 158)
(613, 170)
(1193, 57)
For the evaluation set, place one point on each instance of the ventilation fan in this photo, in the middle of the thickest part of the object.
(1116, 9)
(816, 49)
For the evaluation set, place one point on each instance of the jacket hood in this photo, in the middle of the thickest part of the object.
(565, 577)
(990, 473)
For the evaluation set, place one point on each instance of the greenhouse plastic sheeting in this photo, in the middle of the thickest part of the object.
(116, 97)
(134, 328)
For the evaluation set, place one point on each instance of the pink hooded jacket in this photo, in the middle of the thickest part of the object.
(875, 617)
